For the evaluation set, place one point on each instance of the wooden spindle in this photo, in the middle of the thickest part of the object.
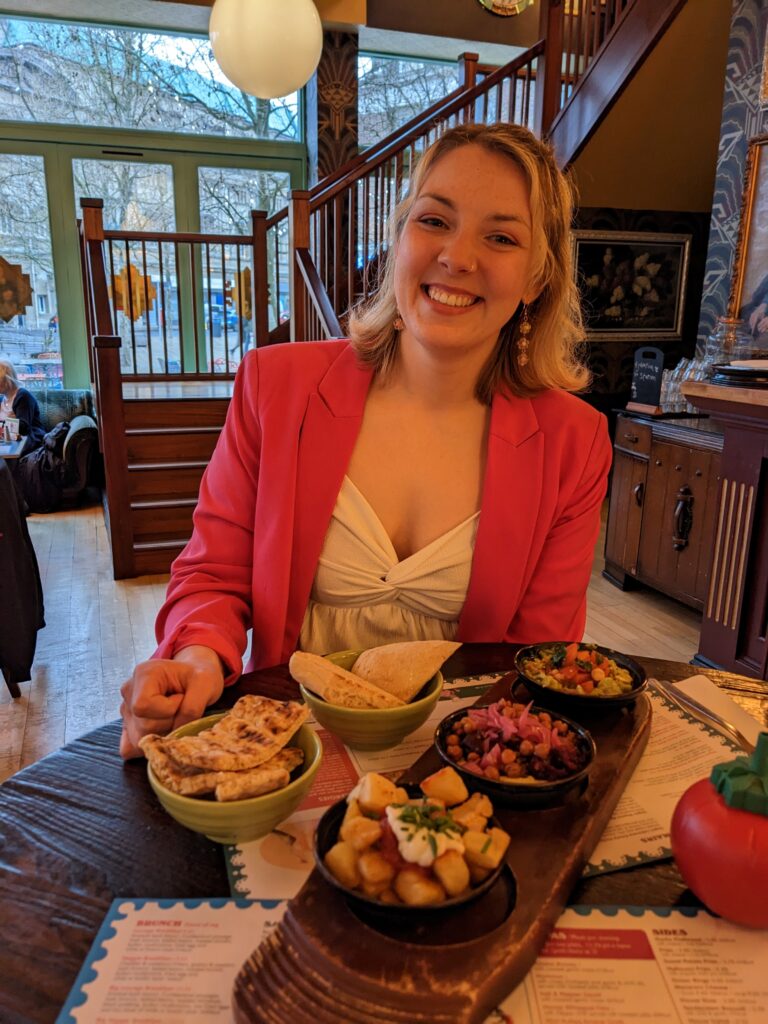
(259, 279)
(298, 227)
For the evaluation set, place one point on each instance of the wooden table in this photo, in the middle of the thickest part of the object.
(80, 828)
(12, 449)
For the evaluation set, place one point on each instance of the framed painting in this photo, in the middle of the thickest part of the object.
(749, 290)
(632, 284)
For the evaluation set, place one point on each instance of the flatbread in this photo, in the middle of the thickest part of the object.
(243, 785)
(337, 686)
(235, 743)
(403, 668)
(188, 781)
(195, 782)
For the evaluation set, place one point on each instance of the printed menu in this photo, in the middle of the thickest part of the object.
(176, 961)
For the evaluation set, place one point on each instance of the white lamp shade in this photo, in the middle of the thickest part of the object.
(267, 48)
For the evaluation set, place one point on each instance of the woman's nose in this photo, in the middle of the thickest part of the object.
(458, 255)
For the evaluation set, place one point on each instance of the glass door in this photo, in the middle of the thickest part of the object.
(29, 321)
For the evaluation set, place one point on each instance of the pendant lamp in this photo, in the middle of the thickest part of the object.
(267, 48)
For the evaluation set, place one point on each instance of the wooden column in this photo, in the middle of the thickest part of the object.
(298, 226)
(109, 399)
(549, 73)
(468, 70)
(734, 630)
(259, 283)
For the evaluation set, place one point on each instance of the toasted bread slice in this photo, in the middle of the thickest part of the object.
(403, 668)
(235, 743)
(189, 781)
(337, 686)
(243, 785)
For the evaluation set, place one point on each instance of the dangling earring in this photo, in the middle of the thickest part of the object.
(523, 337)
(398, 322)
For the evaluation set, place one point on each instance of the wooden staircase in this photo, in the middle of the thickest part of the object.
(162, 391)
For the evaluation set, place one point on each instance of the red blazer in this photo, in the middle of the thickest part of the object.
(267, 497)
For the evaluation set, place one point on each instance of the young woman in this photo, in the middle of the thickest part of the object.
(430, 478)
(20, 404)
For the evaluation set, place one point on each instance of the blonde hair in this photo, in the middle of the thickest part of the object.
(8, 376)
(555, 314)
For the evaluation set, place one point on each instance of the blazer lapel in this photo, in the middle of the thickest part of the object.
(511, 498)
(331, 425)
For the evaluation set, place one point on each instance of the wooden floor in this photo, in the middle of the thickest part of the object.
(98, 628)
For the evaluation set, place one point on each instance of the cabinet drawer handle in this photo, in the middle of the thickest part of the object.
(682, 518)
(637, 490)
(632, 438)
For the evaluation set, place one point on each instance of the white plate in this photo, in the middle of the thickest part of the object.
(750, 364)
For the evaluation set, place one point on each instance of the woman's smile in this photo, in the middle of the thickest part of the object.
(450, 299)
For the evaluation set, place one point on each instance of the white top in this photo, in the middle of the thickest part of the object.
(364, 596)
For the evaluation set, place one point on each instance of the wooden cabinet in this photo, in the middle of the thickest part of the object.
(663, 506)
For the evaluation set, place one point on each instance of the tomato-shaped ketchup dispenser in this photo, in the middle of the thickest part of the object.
(720, 838)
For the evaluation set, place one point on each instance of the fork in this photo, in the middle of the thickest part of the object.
(692, 706)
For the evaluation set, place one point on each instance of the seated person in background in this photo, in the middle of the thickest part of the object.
(430, 478)
(20, 404)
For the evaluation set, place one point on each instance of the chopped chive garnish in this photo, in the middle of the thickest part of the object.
(486, 845)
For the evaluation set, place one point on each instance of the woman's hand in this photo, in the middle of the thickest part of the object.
(163, 694)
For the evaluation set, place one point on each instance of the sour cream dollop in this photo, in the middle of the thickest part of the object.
(421, 846)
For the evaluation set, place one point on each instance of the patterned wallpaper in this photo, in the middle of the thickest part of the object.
(332, 106)
(743, 118)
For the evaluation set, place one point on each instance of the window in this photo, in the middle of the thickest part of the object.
(27, 338)
(129, 78)
(392, 90)
(137, 196)
(98, 98)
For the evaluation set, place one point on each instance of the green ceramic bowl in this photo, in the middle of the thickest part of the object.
(240, 821)
(373, 728)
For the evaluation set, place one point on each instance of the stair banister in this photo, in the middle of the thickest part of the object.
(549, 69)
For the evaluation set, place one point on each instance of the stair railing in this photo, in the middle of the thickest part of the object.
(186, 305)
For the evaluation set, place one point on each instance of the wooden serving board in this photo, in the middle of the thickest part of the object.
(327, 964)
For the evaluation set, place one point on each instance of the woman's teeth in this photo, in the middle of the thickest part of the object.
(450, 299)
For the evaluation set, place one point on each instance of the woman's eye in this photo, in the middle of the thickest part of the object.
(503, 239)
(434, 222)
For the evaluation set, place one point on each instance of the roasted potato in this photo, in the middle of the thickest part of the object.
(452, 872)
(485, 849)
(478, 804)
(446, 785)
(352, 811)
(416, 890)
(341, 861)
(376, 872)
(476, 874)
(360, 832)
(375, 793)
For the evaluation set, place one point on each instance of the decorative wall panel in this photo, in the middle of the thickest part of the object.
(743, 117)
(332, 106)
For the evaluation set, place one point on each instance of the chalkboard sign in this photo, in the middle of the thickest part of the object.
(646, 377)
